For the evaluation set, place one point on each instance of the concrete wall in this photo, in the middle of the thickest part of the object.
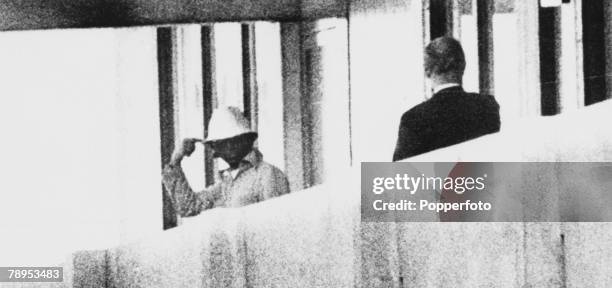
(314, 237)
(81, 162)
(386, 41)
(549, 254)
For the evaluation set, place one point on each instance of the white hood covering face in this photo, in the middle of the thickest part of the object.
(227, 122)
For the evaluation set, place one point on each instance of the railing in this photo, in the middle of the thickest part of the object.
(314, 238)
(302, 239)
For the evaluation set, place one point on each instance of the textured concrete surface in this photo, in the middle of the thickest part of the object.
(588, 254)
(299, 241)
(89, 269)
(206, 251)
(546, 254)
(314, 237)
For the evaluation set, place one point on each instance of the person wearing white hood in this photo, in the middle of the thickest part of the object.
(247, 180)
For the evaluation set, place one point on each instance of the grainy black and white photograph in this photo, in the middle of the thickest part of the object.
(305, 143)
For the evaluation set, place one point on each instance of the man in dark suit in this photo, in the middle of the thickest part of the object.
(451, 115)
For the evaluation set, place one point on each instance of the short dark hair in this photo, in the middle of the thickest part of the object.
(444, 55)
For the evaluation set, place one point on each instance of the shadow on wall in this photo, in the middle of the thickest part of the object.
(65, 14)
(33, 14)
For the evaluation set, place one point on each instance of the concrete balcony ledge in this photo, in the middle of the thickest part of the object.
(314, 237)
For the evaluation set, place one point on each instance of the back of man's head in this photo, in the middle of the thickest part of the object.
(444, 57)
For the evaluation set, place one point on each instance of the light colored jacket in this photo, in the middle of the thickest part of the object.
(253, 181)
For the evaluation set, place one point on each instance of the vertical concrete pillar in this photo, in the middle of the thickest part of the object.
(292, 109)
(529, 58)
(608, 44)
(485, 10)
(570, 62)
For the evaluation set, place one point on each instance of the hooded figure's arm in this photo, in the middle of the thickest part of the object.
(185, 201)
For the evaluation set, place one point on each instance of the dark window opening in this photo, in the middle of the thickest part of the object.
(593, 29)
(550, 50)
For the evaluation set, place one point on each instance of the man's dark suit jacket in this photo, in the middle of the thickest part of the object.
(449, 117)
